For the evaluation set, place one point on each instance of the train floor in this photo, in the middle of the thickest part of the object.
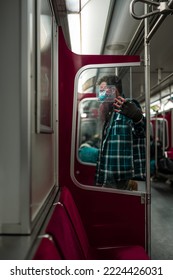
(161, 220)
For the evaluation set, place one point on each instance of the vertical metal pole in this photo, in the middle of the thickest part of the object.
(131, 83)
(116, 71)
(156, 140)
(147, 103)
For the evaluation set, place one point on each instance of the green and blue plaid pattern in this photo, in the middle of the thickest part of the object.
(122, 152)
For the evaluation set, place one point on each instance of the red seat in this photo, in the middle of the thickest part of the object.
(120, 253)
(63, 233)
(123, 253)
(47, 250)
(67, 200)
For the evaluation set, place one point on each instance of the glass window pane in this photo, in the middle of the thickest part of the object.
(92, 114)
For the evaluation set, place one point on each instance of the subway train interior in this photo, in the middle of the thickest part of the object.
(53, 54)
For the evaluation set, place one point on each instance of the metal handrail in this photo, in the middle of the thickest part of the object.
(162, 8)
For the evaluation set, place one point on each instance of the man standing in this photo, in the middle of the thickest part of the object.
(122, 151)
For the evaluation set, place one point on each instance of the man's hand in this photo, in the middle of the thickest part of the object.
(128, 108)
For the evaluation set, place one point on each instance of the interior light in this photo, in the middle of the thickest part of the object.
(75, 6)
(72, 6)
(168, 105)
(84, 116)
(45, 32)
(74, 28)
(116, 47)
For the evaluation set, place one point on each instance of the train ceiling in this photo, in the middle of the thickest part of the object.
(108, 28)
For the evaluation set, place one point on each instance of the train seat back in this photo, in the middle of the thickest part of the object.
(67, 200)
(133, 252)
(63, 233)
(47, 249)
(115, 253)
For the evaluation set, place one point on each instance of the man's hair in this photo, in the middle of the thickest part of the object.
(112, 80)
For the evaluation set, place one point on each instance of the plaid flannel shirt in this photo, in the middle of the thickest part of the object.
(122, 152)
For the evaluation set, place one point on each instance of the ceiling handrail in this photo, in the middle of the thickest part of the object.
(161, 8)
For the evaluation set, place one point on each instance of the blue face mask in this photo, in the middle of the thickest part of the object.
(102, 95)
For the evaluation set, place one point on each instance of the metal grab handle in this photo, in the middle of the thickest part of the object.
(170, 5)
(162, 8)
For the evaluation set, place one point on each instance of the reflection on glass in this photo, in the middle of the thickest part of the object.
(122, 154)
(160, 131)
(106, 93)
(111, 136)
(44, 87)
(89, 137)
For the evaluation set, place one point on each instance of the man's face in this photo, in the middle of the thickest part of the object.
(103, 86)
(107, 92)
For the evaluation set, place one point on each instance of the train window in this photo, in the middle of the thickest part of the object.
(44, 67)
(89, 130)
(160, 131)
(88, 108)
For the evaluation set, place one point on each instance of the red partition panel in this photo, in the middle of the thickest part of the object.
(118, 217)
